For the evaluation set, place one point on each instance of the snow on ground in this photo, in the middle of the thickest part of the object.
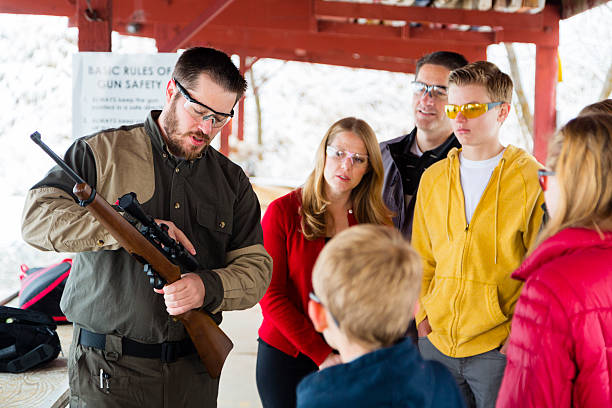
(299, 102)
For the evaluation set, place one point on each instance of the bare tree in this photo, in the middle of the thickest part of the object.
(521, 105)
(256, 85)
(606, 89)
(255, 89)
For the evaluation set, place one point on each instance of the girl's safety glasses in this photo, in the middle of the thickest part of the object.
(469, 110)
(543, 177)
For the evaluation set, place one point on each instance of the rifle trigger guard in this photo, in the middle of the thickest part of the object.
(85, 203)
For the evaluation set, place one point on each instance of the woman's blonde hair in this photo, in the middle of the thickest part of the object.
(366, 197)
(581, 155)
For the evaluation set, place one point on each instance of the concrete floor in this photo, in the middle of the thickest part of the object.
(237, 388)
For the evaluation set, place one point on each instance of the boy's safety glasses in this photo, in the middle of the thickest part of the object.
(316, 299)
(543, 177)
(469, 110)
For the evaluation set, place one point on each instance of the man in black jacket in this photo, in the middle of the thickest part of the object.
(405, 158)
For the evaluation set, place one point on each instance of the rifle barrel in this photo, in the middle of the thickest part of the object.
(71, 173)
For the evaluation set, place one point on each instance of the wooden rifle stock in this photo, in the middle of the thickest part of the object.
(211, 343)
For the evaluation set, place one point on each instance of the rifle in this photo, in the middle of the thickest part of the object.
(211, 343)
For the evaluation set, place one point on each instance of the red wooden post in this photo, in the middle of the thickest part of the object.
(547, 66)
(226, 131)
(241, 102)
(94, 19)
(545, 114)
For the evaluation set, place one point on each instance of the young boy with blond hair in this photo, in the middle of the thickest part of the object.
(365, 287)
(477, 213)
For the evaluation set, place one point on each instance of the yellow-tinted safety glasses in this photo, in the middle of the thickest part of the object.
(469, 110)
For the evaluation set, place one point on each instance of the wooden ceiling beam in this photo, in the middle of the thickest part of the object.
(371, 11)
(341, 44)
(65, 8)
(297, 15)
(194, 26)
(302, 46)
(403, 65)
(405, 32)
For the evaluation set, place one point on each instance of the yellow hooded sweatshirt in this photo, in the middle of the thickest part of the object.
(467, 293)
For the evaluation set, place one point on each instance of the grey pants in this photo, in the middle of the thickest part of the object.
(129, 381)
(479, 377)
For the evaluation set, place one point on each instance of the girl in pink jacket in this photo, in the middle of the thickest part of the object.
(560, 349)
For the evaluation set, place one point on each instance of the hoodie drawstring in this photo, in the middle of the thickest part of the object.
(450, 169)
(501, 169)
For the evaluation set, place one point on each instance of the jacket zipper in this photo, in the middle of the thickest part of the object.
(456, 303)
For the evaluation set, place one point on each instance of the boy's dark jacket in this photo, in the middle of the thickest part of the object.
(391, 377)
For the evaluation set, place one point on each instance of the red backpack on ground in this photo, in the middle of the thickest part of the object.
(42, 288)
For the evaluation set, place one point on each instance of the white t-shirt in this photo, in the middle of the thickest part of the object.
(474, 178)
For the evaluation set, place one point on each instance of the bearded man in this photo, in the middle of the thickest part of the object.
(127, 348)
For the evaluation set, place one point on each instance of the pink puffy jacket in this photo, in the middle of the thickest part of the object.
(560, 349)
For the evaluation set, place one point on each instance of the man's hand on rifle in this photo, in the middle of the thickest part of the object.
(176, 234)
(188, 292)
(183, 295)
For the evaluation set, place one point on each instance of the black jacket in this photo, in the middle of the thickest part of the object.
(403, 171)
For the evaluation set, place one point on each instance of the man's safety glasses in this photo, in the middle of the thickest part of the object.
(357, 159)
(543, 178)
(199, 111)
(435, 91)
(469, 110)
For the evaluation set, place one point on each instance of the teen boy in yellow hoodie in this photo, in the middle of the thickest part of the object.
(477, 213)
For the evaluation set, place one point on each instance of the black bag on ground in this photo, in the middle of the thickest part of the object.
(42, 288)
(27, 339)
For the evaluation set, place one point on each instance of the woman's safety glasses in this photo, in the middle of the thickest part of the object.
(357, 159)
(543, 177)
(469, 110)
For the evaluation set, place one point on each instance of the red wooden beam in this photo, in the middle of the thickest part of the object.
(279, 14)
(244, 39)
(414, 33)
(387, 64)
(196, 25)
(94, 19)
(335, 9)
(295, 15)
(41, 7)
(299, 15)
(548, 36)
(393, 64)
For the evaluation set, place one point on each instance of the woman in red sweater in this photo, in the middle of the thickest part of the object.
(559, 353)
(344, 188)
